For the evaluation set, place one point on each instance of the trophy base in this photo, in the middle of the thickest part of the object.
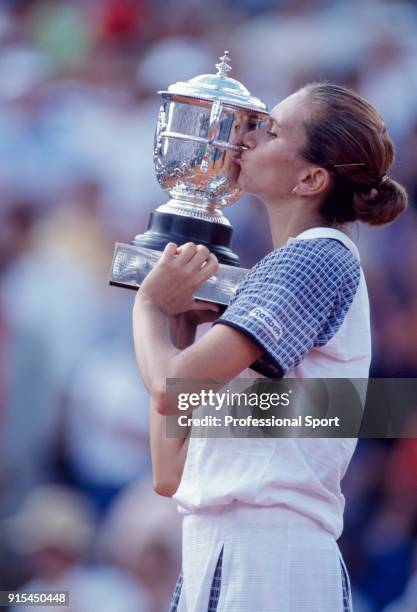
(169, 227)
(131, 264)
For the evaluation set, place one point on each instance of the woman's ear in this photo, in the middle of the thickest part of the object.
(314, 182)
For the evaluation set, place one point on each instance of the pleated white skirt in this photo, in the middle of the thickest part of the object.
(273, 560)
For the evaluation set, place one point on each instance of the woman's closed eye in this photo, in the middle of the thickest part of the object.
(270, 129)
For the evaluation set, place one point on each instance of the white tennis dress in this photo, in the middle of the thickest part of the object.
(274, 507)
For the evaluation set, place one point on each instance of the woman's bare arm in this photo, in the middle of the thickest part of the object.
(221, 354)
(169, 454)
(168, 290)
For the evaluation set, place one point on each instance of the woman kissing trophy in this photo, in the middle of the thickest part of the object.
(200, 125)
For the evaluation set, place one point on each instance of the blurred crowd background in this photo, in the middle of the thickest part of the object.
(78, 108)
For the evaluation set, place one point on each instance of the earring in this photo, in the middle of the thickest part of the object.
(294, 191)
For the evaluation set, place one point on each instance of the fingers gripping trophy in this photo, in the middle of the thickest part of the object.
(200, 125)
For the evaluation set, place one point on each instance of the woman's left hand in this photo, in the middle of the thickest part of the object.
(171, 284)
(183, 326)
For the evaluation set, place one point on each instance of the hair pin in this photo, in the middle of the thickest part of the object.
(345, 165)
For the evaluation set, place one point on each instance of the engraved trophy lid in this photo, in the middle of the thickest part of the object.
(218, 87)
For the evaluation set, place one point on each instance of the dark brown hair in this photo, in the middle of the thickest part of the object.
(346, 135)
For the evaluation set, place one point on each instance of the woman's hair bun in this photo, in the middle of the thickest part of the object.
(347, 135)
(380, 204)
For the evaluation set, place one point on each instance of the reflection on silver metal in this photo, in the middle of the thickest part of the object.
(198, 138)
(161, 127)
(216, 143)
(216, 111)
(131, 264)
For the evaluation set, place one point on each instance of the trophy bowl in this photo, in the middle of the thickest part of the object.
(195, 152)
(198, 138)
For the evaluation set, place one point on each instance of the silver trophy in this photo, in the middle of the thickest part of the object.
(198, 137)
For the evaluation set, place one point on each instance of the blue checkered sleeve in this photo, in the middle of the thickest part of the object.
(293, 299)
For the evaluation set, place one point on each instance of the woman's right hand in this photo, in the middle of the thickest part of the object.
(172, 283)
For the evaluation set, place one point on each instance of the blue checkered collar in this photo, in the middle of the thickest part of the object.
(328, 232)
